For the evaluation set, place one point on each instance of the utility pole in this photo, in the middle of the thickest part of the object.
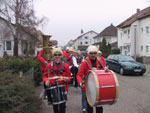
(135, 41)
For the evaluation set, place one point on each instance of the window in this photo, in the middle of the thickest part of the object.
(125, 32)
(142, 29)
(4, 46)
(141, 48)
(125, 47)
(80, 43)
(121, 35)
(147, 30)
(128, 33)
(86, 37)
(86, 42)
(128, 48)
(147, 49)
(8, 45)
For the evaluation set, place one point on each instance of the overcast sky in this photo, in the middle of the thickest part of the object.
(66, 18)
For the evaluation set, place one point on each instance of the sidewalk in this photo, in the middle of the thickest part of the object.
(147, 69)
(73, 103)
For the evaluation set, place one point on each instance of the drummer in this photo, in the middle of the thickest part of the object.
(64, 74)
(89, 64)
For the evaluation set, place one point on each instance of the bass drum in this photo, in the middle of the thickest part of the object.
(101, 88)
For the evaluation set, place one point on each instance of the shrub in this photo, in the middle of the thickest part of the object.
(37, 72)
(22, 64)
(4, 64)
(17, 94)
(115, 51)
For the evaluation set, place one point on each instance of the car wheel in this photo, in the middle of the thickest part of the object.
(121, 71)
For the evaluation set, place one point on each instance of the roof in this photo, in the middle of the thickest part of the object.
(31, 31)
(139, 15)
(86, 33)
(108, 31)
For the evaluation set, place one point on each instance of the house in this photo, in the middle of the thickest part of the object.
(28, 39)
(84, 40)
(110, 34)
(134, 35)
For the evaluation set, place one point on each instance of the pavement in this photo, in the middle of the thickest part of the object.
(147, 68)
(73, 103)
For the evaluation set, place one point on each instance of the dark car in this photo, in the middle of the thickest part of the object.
(125, 65)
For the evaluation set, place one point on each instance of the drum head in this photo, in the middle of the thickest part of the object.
(91, 89)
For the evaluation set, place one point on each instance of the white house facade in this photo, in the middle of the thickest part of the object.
(86, 39)
(110, 35)
(134, 35)
(27, 40)
(124, 40)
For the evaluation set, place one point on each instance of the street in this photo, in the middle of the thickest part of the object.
(134, 93)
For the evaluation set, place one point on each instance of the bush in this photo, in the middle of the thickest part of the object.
(37, 72)
(17, 94)
(115, 51)
(22, 64)
(4, 64)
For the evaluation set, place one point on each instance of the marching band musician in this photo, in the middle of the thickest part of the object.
(73, 67)
(100, 57)
(66, 54)
(65, 73)
(43, 62)
(89, 64)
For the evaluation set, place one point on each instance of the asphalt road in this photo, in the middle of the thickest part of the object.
(134, 96)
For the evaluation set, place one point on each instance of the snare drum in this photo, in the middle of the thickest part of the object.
(101, 87)
(57, 94)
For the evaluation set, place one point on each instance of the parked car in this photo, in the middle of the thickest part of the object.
(125, 65)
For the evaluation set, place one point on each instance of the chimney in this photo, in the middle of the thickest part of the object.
(82, 31)
(137, 10)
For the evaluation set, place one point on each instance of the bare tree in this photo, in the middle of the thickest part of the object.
(20, 13)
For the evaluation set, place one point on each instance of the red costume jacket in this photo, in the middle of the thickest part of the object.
(84, 69)
(41, 59)
(66, 73)
(66, 55)
(102, 59)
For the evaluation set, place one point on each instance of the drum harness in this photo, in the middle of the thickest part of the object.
(91, 66)
(83, 78)
(57, 72)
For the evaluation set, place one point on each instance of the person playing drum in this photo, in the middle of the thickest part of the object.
(57, 73)
(89, 64)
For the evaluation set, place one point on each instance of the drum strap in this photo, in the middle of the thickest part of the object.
(61, 71)
(52, 70)
(88, 64)
(62, 67)
(101, 63)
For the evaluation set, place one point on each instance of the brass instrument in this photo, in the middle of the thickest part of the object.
(47, 48)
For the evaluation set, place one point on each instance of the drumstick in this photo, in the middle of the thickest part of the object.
(56, 77)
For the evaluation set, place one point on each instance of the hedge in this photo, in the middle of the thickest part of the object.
(22, 64)
(17, 94)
